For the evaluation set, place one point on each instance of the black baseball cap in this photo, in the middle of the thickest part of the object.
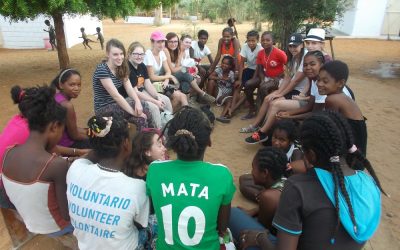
(295, 39)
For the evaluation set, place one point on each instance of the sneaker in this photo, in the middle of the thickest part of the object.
(248, 129)
(208, 98)
(223, 119)
(256, 137)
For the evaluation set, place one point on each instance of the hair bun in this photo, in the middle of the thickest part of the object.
(17, 94)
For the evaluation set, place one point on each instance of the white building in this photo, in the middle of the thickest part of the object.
(30, 35)
(371, 19)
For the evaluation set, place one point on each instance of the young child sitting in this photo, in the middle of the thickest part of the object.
(224, 78)
(284, 137)
(68, 85)
(199, 51)
(325, 208)
(332, 79)
(119, 202)
(269, 172)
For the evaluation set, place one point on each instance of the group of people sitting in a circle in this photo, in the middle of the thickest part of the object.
(116, 188)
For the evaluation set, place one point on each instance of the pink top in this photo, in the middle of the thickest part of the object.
(15, 132)
(65, 140)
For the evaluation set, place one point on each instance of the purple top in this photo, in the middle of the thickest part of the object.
(65, 140)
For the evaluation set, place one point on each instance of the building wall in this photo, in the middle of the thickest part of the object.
(365, 19)
(391, 22)
(72, 26)
(23, 34)
(29, 34)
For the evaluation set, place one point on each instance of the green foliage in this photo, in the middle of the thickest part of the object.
(288, 16)
(23, 9)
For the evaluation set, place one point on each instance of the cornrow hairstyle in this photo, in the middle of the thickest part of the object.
(288, 126)
(121, 72)
(356, 160)
(141, 143)
(230, 59)
(229, 30)
(63, 76)
(320, 134)
(173, 53)
(110, 145)
(272, 159)
(337, 69)
(269, 33)
(318, 54)
(253, 33)
(202, 33)
(192, 145)
(38, 106)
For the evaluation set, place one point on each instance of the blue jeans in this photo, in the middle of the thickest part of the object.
(239, 221)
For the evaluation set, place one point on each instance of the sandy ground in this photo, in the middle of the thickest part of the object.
(377, 97)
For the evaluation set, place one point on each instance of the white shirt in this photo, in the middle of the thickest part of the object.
(198, 53)
(321, 98)
(103, 206)
(150, 60)
(251, 56)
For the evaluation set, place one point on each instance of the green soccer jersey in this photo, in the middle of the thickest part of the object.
(187, 197)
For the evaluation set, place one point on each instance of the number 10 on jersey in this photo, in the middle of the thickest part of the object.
(183, 221)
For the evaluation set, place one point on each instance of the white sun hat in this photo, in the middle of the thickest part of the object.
(315, 34)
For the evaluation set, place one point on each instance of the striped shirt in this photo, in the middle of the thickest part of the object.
(100, 95)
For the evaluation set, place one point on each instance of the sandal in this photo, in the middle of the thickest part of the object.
(223, 119)
(249, 129)
(248, 116)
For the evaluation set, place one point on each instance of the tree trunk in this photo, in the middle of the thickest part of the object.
(63, 57)
(158, 16)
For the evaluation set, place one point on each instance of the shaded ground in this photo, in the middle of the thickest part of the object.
(377, 96)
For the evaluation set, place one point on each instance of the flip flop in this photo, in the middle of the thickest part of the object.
(248, 116)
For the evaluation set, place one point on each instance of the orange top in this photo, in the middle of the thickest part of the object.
(230, 51)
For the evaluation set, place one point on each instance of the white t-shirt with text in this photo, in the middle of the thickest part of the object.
(103, 206)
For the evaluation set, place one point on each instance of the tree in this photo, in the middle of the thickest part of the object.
(287, 16)
(26, 9)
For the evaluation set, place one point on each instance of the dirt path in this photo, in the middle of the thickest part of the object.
(378, 99)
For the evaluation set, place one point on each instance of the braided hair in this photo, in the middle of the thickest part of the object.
(188, 133)
(272, 159)
(38, 106)
(108, 145)
(318, 54)
(321, 135)
(354, 157)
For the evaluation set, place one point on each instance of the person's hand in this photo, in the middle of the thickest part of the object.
(273, 96)
(237, 84)
(138, 109)
(173, 78)
(209, 72)
(44, 30)
(159, 104)
(248, 238)
(283, 115)
(82, 152)
(165, 83)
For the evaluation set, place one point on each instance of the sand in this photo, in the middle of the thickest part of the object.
(377, 97)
